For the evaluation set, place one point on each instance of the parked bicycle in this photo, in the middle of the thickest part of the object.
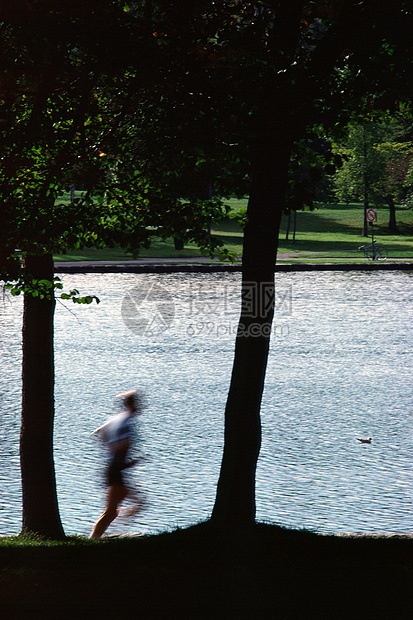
(373, 251)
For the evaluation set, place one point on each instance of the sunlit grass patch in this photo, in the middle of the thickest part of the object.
(333, 229)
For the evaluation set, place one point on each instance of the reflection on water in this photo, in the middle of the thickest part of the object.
(339, 368)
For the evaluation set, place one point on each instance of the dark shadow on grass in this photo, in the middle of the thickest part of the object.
(322, 222)
(230, 240)
(227, 226)
(316, 221)
(267, 572)
(340, 246)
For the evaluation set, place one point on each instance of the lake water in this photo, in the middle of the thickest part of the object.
(340, 367)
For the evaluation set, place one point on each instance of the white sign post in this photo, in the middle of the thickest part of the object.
(371, 215)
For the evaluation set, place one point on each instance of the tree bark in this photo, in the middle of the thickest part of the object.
(366, 185)
(287, 232)
(392, 215)
(40, 506)
(235, 500)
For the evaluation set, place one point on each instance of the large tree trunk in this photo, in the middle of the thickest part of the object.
(235, 500)
(40, 507)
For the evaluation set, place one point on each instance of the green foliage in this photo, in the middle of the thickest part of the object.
(154, 110)
(377, 158)
(329, 228)
(73, 295)
(79, 107)
(312, 164)
(397, 160)
(44, 289)
(240, 216)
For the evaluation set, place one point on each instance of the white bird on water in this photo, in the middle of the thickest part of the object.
(364, 440)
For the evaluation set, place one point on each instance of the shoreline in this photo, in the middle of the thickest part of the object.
(174, 265)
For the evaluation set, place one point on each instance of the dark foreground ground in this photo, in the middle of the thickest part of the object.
(195, 573)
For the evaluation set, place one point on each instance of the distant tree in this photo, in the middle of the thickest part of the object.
(408, 185)
(312, 166)
(375, 166)
(397, 158)
(361, 169)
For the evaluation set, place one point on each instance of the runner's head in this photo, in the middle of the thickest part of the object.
(132, 401)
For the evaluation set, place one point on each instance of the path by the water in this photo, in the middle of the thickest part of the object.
(291, 262)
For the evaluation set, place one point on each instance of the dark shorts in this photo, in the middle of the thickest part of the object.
(114, 475)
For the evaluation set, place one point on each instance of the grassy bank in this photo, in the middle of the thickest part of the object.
(333, 229)
(196, 573)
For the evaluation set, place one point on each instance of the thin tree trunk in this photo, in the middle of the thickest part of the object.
(392, 215)
(235, 500)
(40, 507)
(365, 185)
(365, 222)
(287, 232)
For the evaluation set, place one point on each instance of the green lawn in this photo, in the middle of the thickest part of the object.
(334, 229)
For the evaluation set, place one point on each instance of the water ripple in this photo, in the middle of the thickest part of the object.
(339, 368)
